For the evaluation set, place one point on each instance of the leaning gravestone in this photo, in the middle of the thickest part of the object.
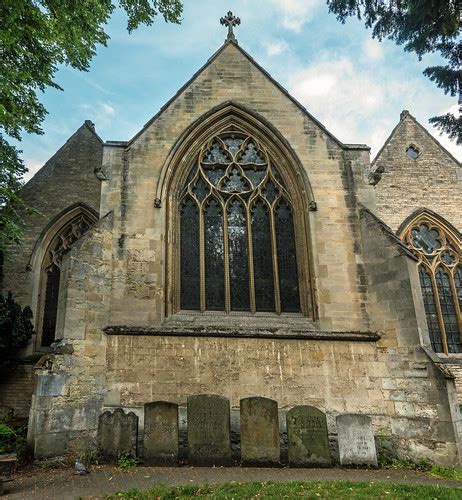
(307, 437)
(209, 441)
(259, 431)
(117, 434)
(160, 433)
(356, 443)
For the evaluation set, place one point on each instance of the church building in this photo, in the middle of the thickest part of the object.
(234, 246)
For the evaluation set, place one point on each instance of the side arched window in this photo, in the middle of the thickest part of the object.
(237, 238)
(440, 273)
(51, 274)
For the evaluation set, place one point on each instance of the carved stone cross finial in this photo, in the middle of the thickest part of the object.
(230, 21)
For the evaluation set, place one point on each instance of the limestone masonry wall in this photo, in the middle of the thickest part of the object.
(17, 384)
(67, 178)
(433, 180)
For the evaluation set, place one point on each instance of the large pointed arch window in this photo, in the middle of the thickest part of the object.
(59, 244)
(237, 237)
(440, 273)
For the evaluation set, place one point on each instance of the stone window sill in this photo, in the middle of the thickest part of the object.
(241, 325)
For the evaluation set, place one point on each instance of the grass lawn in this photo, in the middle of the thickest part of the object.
(324, 489)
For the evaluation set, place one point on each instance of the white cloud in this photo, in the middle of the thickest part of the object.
(35, 164)
(277, 47)
(359, 105)
(295, 13)
(102, 114)
(373, 49)
(451, 146)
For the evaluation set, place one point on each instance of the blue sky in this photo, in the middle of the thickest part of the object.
(354, 85)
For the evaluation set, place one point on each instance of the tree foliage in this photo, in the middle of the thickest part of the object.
(15, 326)
(422, 26)
(36, 37)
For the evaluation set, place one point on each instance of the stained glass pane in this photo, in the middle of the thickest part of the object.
(287, 259)
(214, 257)
(263, 259)
(430, 309)
(200, 190)
(50, 310)
(238, 257)
(270, 192)
(233, 144)
(426, 239)
(255, 175)
(458, 285)
(215, 174)
(448, 311)
(251, 155)
(216, 154)
(235, 183)
(190, 281)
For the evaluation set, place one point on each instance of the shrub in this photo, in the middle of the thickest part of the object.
(126, 461)
(15, 327)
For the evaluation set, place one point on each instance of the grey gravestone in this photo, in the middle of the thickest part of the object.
(356, 443)
(259, 431)
(6, 414)
(307, 437)
(117, 434)
(209, 441)
(160, 433)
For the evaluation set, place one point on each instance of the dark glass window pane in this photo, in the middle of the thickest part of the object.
(214, 258)
(238, 257)
(430, 309)
(458, 284)
(287, 259)
(190, 284)
(448, 311)
(50, 311)
(262, 257)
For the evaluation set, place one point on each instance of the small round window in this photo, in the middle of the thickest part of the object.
(412, 152)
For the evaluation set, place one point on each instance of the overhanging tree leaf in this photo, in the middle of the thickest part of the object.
(36, 37)
(422, 26)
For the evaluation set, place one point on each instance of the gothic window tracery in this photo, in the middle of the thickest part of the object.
(440, 268)
(51, 273)
(237, 239)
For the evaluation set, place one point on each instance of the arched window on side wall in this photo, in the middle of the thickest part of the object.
(440, 273)
(71, 230)
(237, 237)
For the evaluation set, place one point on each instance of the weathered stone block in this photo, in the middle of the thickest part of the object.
(259, 431)
(117, 434)
(209, 441)
(51, 384)
(160, 433)
(307, 436)
(356, 442)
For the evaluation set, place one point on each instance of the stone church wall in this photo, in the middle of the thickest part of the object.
(433, 180)
(140, 278)
(67, 178)
(363, 279)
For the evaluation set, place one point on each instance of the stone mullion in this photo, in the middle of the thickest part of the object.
(455, 298)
